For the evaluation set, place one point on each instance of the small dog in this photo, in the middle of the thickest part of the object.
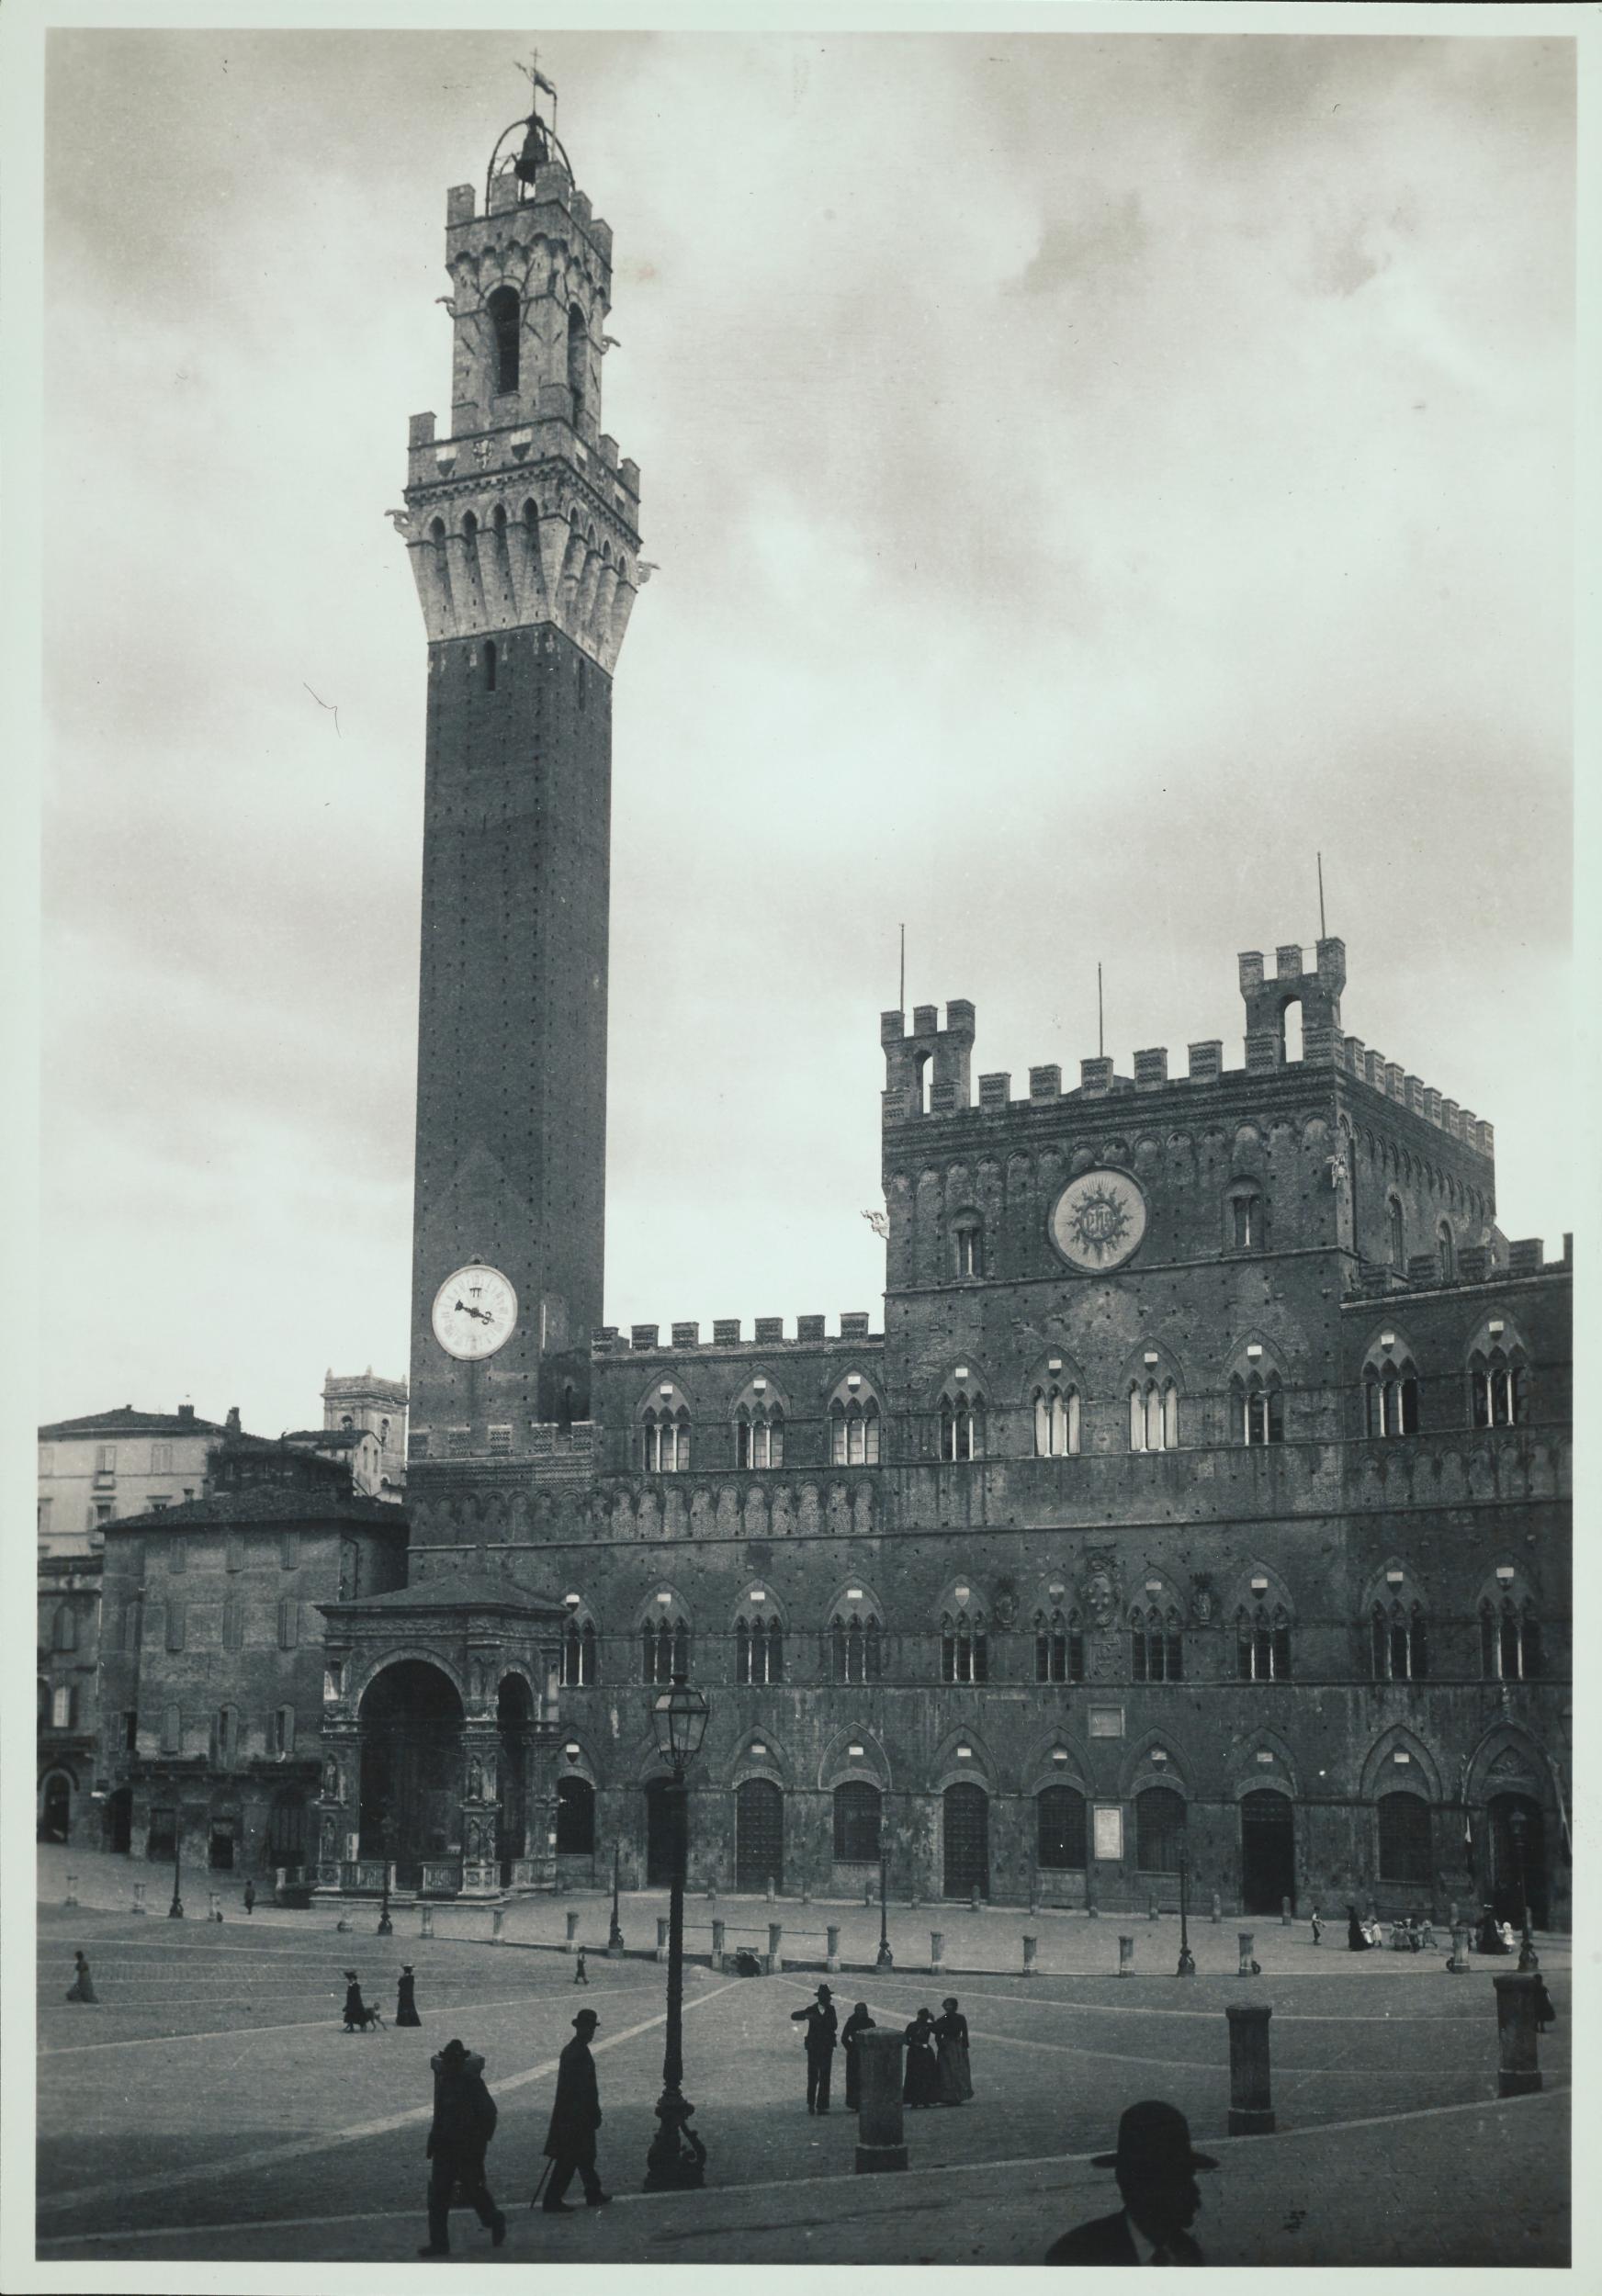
(371, 2020)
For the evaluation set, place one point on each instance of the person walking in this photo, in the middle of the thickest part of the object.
(858, 2023)
(820, 2038)
(83, 1985)
(581, 1975)
(1317, 1925)
(1156, 2166)
(463, 2122)
(951, 2033)
(569, 2142)
(920, 2084)
(250, 1896)
(356, 2008)
(1356, 1940)
(406, 1997)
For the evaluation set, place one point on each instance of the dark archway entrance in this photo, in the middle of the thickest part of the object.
(575, 1817)
(967, 1840)
(514, 1713)
(411, 1723)
(1268, 1853)
(1506, 1902)
(287, 1833)
(55, 1815)
(120, 1821)
(658, 1835)
(758, 1835)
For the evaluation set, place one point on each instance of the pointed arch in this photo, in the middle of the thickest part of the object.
(855, 1634)
(855, 1414)
(664, 1632)
(964, 1634)
(1390, 1384)
(1053, 1395)
(760, 1416)
(758, 1635)
(961, 1412)
(1154, 1387)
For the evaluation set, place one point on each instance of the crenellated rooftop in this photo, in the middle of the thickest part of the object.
(727, 1332)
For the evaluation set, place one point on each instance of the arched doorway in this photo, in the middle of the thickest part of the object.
(758, 1835)
(1268, 1853)
(120, 1821)
(967, 1811)
(287, 1832)
(1159, 1830)
(514, 1713)
(575, 1817)
(1506, 1899)
(55, 1808)
(658, 1835)
(410, 1721)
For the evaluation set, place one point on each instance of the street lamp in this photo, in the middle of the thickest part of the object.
(175, 1910)
(675, 2160)
(1517, 1822)
(883, 1958)
(1186, 1968)
(614, 1935)
(385, 1843)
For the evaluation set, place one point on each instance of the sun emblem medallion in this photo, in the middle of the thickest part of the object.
(1099, 1219)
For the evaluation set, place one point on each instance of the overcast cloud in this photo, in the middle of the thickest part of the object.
(1087, 475)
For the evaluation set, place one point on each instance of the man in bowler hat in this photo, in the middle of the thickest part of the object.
(575, 2116)
(1156, 2166)
(820, 2037)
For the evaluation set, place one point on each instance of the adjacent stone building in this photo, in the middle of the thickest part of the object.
(68, 1703)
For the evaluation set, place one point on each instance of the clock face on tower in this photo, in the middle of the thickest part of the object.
(1099, 1219)
(475, 1311)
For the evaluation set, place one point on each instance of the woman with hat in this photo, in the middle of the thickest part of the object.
(920, 2084)
(858, 2023)
(951, 2033)
(83, 1985)
(822, 2030)
(356, 2008)
(406, 1997)
(1156, 2166)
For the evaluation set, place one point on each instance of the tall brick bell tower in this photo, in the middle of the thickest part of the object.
(522, 527)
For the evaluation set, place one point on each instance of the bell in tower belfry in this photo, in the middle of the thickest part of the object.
(523, 530)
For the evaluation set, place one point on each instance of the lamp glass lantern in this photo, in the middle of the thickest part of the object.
(679, 1720)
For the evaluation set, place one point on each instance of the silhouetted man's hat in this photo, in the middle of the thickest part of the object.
(406, 1969)
(351, 1974)
(950, 2001)
(587, 2017)
(1153, 2137)
(824, 1994)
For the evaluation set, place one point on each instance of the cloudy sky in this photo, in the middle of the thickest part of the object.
(1088, 475)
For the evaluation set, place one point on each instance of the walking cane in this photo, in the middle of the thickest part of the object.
(539, 2188)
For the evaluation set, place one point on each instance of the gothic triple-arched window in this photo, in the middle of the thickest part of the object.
(1262, 1643)
(1059, 1646)
(666, 1440)
(758, 1642)
(1399, 1641)
(581, 1652)
(965, 1647)
(962, 1424)
(856, 1640)
(1057, 1420)
(854, 1424)
(1509, 1640)
(1156, 1644)
(1154, 1415)
(1257, 1403)
(1498, 1387)
(1389, 1389)
(759, 1429)
(665, 1643)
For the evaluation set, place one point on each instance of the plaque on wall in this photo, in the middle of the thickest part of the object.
(1108, 1836)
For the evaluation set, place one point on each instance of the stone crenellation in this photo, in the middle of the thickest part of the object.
(726, 1333)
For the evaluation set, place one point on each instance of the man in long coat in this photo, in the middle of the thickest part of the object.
(569, 2142)
(463, 2122)
(820, 2037)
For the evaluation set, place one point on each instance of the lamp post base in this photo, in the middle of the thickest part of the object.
(677, 2159)
(884, 1958)
(1186, 1968)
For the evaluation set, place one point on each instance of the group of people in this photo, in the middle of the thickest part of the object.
(1409, 1934)
(464, 2123)
(937, 2070)
(360, 2016)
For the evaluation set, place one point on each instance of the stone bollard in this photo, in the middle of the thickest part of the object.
(1093, 1910)
(1126, 1956)
(832, 1952)
(881, 2141)
(1451, 1915)
(1519, 2074)
(775, 1947)
(805, 1894)
(213, 1904)
(570, 1942)
(1249, 1967)
(71, 1896)
(974, 1898)
(1251, 2109)
(1151, 1906)
(712, 1893)
(770, 1889)
(868, 1893)
(661, 1937)
(497, 1917)
(1030, 1945)
(1285, 1912)
(425, 1921)
(139, 1904)
(717, 1945)
(1457, 1961)
(936, 1952)
(1217, 1912)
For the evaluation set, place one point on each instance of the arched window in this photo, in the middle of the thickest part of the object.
(1290, 1028)
(759, 1643)
(1248, 1223)
(855, 1424)
(64, 1628)
(1060, 1829)
(1404, 1826)
(856, 1640)
(1262, 1644)
(64, 1706)
(759, 1428)
(581, 1653)
(666, 1440)
(968, 1240)
(665, 1642)
(1159, 1830)
(964, 1649)
(858, 1809)
(1399, 1641)
(924, 1079)
(1446, 1248)
(1258, 1407)
(1059, 1646)
(1153, 1415)
(281, 1733)
(1057, 1420)
(225, 1737)
(505, 320)
(1498, 1387)
(578, 358)
(1396, 1234)
(1156, 1644)
(961, 1425)
(1509, 1640)
(1389, 1389)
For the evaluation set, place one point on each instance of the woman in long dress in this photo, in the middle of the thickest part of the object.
(83, 1987)
(356, 2008)
(1354, 1932)
(859, 2021)
(406, 1997)
(922, 2085)
(956, 2083)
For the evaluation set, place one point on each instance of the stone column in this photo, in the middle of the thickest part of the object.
(72, 1897)
(937, 1953)
(426, 1921)
(480, 1811)
(1285, 1912)
(139, 1904)
(775, 1947)
(1247, 1969)
(718, 1946)
(337, 1807)
(573, 1937)
(1251, 2111)
(832, 1951)
(1126, 1957)
(880, 2140)
(1519, 2073)
(497, 1916)
(1030, 1945)
(1458, 1959)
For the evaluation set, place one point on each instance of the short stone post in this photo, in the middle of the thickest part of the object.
(1126, 1956)
(1451, 1915)
(1217, 1912)
(139, 1904)
(71, 1896)
(936, 1952)
(1458, 1959)
(805, 1894)
(573, 1937)
(770, 1889)
(1030, 1945)
(1151, 1906)
(1519, 2074)
(974, 1899)
(775, 1947)
(868, 1893)
(831, 1950)
(497, 1917)
(425, 1921)
(1251, 2109)
(1285, 1912)
(1247, 1964)
(881, 2141)
(1093, 1910)
(718, 1936)
(661, 1937)
(214, 1905)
